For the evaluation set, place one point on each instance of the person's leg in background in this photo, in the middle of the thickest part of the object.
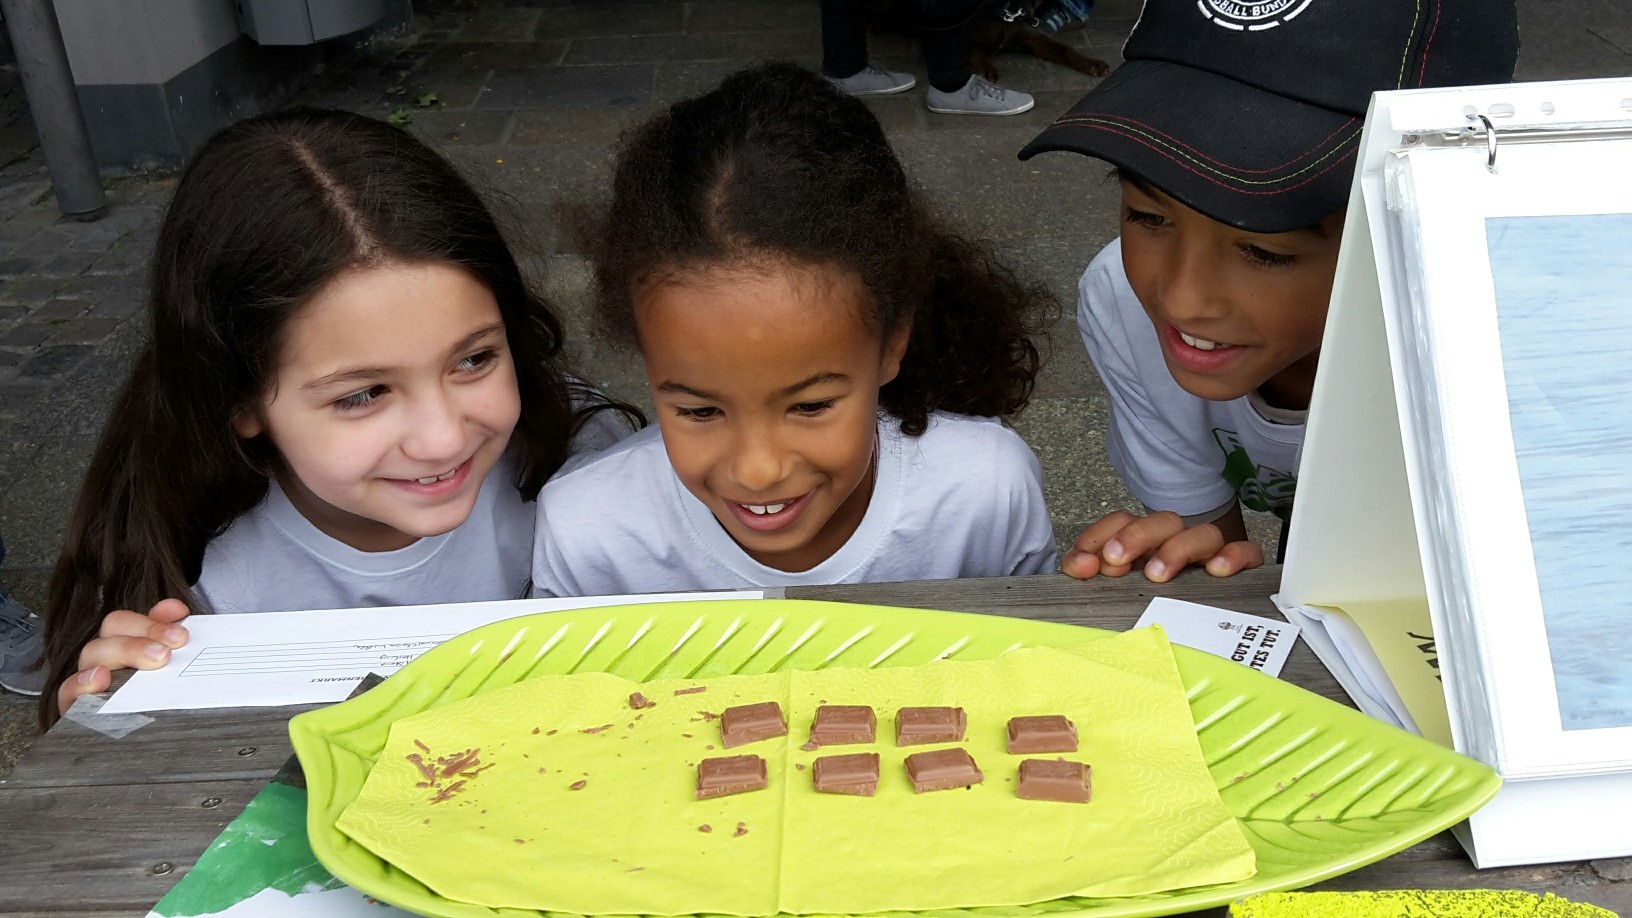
(844, 52)
(938, 25)
(19, 643)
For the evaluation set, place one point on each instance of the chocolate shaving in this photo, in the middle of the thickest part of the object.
(422, 747)
(705, 827)
(638, 701)
(552, 733)
(447, 793)
(601, 729)
(691, 691)
(709, 715)
(577, 785)
(424, 767)
(810, 747)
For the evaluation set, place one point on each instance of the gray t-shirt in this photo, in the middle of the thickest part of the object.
(963, 500)
(1176, 451)
(273, 559)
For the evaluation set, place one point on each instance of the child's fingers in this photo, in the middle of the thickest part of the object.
(169, 611)
(1235, 558)
(125, 623)
(85, 682)
(124, 653)
(1083, 561)
(1141, 537)
(1189, 546)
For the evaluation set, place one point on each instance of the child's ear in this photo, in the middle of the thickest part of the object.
(895, 348)
(247, 424)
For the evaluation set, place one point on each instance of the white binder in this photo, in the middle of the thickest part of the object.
(1468, 462)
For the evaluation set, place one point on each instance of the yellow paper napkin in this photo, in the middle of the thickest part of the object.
(594, 812)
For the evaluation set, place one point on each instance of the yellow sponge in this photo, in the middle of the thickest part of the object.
(1413, 903)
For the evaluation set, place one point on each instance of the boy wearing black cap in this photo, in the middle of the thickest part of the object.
(1234, 127)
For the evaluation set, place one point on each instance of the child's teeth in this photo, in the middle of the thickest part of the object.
(1200, 344)
(430, 480)
(436, 478)
(762, 509)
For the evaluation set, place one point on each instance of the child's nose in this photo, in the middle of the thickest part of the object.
(435, 430)
(758, 463)
(1190, 288)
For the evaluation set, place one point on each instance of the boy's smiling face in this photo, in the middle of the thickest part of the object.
(1235, 311)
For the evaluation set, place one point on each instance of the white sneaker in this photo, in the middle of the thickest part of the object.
(873, 80)
(980, 96)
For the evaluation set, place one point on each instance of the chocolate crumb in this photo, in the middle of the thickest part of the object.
(708, 715)
(552, 733)
(710, 746)
(542, 770)
(519, 841)
(691, 691)
(810, 747)
(742, 829)
(422, 747)
(535, 731)
(639, 701)
(634, 870)
(577, 785)
(705, 827)
(686, 735)
(601, 729)
(799, 765)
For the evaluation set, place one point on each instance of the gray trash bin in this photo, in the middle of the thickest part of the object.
(305, 22)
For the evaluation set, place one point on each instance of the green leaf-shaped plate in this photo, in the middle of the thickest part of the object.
(1320, 789)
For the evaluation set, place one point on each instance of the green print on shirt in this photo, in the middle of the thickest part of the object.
(1258, 487)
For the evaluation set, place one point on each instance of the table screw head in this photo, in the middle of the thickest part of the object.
(162, 868)
(211, 802)
(247, 750)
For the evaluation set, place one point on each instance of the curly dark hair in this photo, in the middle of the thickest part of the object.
(777, 163)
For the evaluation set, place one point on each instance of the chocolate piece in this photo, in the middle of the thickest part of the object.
(732, 774)
(841, 724)
(942, 769)
(638, 701)
(855, 774)
(1053, 779)
(1047, 733)
(750, 723)
(916, 726)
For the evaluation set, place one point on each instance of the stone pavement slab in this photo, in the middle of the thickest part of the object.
(528, 96)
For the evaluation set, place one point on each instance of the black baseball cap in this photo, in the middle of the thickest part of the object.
(1250, 112)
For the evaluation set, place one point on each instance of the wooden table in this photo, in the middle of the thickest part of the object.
(96, 826)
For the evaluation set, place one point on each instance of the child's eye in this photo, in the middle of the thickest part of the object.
(705, 413)
(813, 409)
(359, 400)
(1265, 257)
(476, 361)
(1143, 218)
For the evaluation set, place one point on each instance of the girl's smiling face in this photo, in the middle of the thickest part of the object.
(1235, 311)
(394, 397)
(765, 378)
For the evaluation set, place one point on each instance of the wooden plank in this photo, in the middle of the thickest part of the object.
(179, 746)
(106, 848)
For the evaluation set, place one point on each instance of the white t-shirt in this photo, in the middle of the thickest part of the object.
(963, 500)
(273, 559)
(1176, 451)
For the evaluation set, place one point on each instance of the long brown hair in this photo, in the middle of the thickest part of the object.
(267, 212)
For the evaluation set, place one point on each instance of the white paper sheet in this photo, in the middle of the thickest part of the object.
(1251, 640)
(278, 658)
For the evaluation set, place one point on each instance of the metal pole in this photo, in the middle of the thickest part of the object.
(42, 61)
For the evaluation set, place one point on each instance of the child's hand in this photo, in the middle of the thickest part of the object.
(1163, 545)
(128, 640)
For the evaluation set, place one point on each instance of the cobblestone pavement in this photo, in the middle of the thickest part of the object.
(527, 96)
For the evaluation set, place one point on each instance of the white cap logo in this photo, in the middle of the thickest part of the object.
(1252, 16)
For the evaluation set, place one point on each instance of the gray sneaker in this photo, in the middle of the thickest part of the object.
(20, 648)
(873, 80)
(980, 96)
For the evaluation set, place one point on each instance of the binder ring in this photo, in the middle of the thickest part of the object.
(1490, 143)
